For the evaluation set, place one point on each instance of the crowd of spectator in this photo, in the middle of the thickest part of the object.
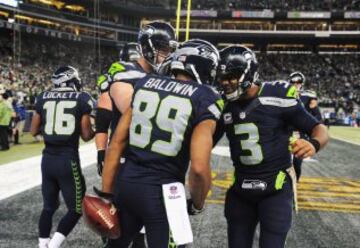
(336, 77)
(285, 5)
(30, 71)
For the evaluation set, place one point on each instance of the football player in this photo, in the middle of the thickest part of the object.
(256, 121)
(309, 100)
(156, 40)
(131, 52)
(170, 122)
(62, 116)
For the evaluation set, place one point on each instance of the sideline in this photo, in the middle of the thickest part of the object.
(25, 174)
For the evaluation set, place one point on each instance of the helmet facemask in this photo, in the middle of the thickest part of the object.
(156, 45)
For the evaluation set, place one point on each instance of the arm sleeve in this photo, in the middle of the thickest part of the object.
(316, 113)
(103, 119)
(298, 117)
(219, 131)
(87, 104)
(208, 105)
(38, 104)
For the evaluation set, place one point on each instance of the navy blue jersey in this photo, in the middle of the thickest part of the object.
(126, 72)
(259, 130)
(164, 114)
(61, 110)
(306, 96)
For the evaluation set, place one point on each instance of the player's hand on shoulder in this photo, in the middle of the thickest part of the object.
(302, 148)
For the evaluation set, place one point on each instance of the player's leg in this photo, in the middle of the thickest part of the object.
(126, 199)
(158, 234)
(275, 213)
(72, 186)
(241, 217)
(50, 192)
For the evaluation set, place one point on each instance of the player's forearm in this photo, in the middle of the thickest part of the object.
(111, 166)
(101, 141)
(115, 151)
(199, 186)
(87, 134)
(320, 133)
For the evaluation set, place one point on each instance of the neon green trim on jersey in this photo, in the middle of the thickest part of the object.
(102, 78)
(115, 68)
(292, 92)
(261, 89)
(171, 241)
(280, 180)
(78, 186)
(220, 103)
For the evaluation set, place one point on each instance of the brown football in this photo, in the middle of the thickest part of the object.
(101, 217)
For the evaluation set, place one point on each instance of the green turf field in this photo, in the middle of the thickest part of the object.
(351, 134)
(29, 147)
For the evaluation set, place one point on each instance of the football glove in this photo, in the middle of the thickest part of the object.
(100, 161)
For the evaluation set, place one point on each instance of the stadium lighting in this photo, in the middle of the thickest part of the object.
(11, 20)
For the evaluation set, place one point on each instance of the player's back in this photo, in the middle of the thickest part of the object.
(164, 114)
(125, 72)
(61, 110)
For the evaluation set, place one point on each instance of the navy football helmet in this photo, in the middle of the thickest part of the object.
(131, 52)
(157, 38)
(238, 66)
(198, 59)
(66, 76)
(296, 78)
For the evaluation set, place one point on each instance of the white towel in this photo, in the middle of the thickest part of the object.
(176, 211)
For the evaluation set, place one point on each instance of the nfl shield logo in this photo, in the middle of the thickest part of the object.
(242, 115)
(173, 190)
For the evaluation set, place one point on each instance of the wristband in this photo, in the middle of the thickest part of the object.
(315, 143)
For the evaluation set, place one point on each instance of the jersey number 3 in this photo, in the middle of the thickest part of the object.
(170, 115)
(57, 121)
(250, 144)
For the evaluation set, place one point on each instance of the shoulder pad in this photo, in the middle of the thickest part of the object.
(309, 93)
(282, 89)
(116, 67)
(103, 82)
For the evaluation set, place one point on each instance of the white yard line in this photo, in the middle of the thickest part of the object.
(344, 140)
(21, 175)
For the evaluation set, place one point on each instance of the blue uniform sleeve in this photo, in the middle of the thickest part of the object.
(301, 119)
(219, 131)
(38, 104)
(316, 113)
(208, 105)
(87, 104)
(125, 72)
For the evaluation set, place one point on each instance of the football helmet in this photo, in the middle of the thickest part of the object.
(131, 52)
(198, 59)
(66, 76)
(238, 67)
(157, 38)
(297, 78)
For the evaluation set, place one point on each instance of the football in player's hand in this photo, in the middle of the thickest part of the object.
(101, 216)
